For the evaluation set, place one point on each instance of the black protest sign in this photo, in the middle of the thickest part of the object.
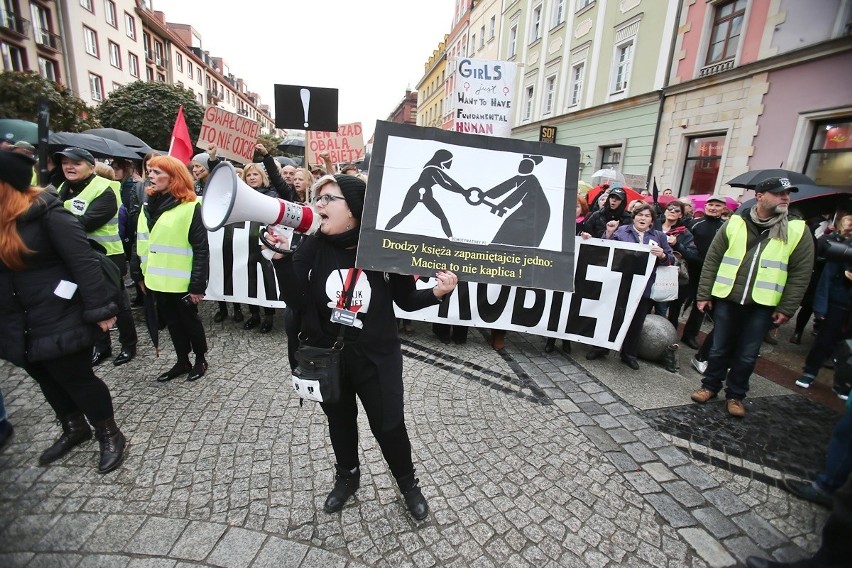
(492, 210)
(305, 108)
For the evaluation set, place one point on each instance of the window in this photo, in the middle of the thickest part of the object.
(179, 62)
(161, 78)
(492, 27)
(482, 36)
(583, 3)
(88, 5)
(701, 169)
(577, 72)
(115, 86)
(149, 73)
(110, 14)
(96, 87)
(200, 99)
(623, 60)
(14, 58)
(91, 41)
(829, 160)
(47, 68)
(611, 157)
(189, 72)
(558, 12)
(133, 64)
(198, 75)
(549, 92)
(535, 27)
(158, 53)
(528, 103)
(41, 26)
(114, 55)
(513, 40)
(130, 26)
(146, 42)
(727, 27)
(472, 44)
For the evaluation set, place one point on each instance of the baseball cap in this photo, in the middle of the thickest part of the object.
(775, 185)
(24, 145)
(78, 155)
(618, 192)
(717, 197)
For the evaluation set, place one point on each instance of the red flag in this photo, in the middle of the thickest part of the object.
(181, 144)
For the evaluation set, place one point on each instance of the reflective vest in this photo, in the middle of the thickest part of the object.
(769, 269)
(107, 234)
(165, 253)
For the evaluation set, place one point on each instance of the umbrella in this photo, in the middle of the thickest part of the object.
(583, 188)
(152, 320)
(294, 146)
(593, 193)
(700, 200)
(812, 198)
(17, 130)
(754, 177)
(607, 175)
(662, 200)
(287, 161)
(122, 137)
(99, 147)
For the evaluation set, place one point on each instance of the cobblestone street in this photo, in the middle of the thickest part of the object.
(525, 457)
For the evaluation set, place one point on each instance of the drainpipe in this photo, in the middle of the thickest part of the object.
(66, 53)
(662, 93)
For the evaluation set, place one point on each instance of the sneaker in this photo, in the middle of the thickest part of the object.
(702, 395)
(700, 366)
(809, 491)
(841, 392)
(736, 408)
(805, 381)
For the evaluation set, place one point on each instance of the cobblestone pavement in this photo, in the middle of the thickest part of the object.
(525, 458)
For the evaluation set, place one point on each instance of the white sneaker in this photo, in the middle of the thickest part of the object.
(805, 381)
(700, 366)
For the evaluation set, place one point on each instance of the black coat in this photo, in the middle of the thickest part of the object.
(35, 323)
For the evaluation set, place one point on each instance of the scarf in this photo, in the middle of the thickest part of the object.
(777, 224)
(347, 239)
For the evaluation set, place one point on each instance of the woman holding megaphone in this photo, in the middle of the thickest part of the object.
(171, 260)
(321, 277)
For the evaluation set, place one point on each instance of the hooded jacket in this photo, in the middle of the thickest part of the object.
(36, 324)
(596, 222)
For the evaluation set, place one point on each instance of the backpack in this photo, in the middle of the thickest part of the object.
(112, 278)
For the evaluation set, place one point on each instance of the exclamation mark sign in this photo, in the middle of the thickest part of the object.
(306, 102)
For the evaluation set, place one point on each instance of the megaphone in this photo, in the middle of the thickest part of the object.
(228, 199)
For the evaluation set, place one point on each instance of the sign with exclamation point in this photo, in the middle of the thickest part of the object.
(306, 108)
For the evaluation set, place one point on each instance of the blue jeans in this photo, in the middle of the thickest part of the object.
(2, 407)
(737, 337)
(838, 459)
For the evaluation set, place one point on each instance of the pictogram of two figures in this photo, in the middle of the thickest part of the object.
(525, 226)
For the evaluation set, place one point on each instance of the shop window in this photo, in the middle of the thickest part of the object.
(701, 167)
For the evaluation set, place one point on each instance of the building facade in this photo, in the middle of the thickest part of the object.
(430, 89)
(406, 111)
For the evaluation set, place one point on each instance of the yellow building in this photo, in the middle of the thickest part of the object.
(430, 89)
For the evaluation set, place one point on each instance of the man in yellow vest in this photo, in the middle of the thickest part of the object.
(755, 275)
(94, 201)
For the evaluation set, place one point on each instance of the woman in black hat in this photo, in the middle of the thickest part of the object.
(53, 305)
(321, 277)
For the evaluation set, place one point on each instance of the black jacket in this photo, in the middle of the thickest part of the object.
(703, 230)
(197, 235)
(282, 189)
(35, 323)
(595, 223)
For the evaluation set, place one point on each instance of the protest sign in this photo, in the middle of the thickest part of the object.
(483, 97)
(346, 146)
(305, 108)
(493, 210)
(235, 136)
(608, 285)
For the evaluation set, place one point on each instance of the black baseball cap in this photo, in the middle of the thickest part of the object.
(78, 155)
(775, 185)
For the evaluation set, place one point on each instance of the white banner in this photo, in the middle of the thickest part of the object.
(610, 278)
(484, 97)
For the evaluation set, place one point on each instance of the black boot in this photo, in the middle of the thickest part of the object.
(75, 431)
(415, 502)
(112, 443)
(549, 345)
(346, 483)
(670, 359)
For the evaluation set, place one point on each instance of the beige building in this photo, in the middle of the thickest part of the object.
(484, 29)
(430, 89)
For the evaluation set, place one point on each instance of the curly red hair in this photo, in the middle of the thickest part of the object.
(181, 185)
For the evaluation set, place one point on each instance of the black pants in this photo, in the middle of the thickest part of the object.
(836, 547)
(185, 327)
(292, 325)
(343, 417)
(123, 319)
(255, 310)
(630, 347)
(69, 384)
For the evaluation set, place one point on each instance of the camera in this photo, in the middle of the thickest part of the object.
(837, 251)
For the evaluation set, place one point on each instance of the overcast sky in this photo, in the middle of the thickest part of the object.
(370, 50)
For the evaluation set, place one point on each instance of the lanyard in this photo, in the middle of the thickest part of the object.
(345, 299)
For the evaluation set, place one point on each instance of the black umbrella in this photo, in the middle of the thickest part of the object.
(152, 320)
(752, 178)
(122, 137)
(811, 199)
(17, 130)
(293, 146)
(99, 147)
(288, 161)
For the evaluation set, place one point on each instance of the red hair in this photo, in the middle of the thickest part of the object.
(13, 204)
(584, 206)
(181, 185)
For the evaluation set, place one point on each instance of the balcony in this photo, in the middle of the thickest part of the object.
(148, 57)
(716, 68)
(14, 25)
(48, 40)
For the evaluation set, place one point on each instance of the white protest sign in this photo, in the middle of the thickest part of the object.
(234, 136)
(484, 97)
(346, 146)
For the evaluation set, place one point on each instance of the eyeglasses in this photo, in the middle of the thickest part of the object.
(326, 198)
(673, 208)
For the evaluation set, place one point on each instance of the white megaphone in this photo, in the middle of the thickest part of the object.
(228, 199)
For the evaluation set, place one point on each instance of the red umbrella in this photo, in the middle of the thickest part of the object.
(700, 200)
(663, 200)
(632, 194)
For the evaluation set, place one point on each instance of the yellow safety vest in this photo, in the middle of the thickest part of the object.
(165, 253)
(106, 235)
(771, 266)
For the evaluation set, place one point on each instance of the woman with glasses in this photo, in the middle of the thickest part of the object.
(680, 239)
(321, 278)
